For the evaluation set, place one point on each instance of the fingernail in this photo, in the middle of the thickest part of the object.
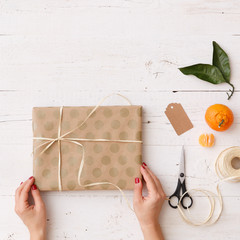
(21, 183)
(136, 180)
(34, 187)
(31, 177)
(144, 164)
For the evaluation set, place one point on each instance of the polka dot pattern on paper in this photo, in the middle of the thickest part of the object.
(123, 135)
(48, 126)
(114, 147)
(71, 185)
(130, 171)
(132, 123)
(90, 135)
(105, 186)
(98, 124)
(97, 172)
(122, 159)
(89, 160)
(46, 173)
(122, 183)
(41, 114)
(116, 162)
(107, 112)
(97, 148)
(115, 124)
(113, 172)
(106, 135)
(124, 112)
(105, 160)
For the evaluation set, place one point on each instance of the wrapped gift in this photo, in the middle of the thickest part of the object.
(106, 140)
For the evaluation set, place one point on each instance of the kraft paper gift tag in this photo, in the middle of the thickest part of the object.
(178, 118)
(115, 162)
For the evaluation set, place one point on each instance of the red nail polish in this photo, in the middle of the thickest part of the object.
(136, 180)
(34, 187)
(31, 177)
(144, 164)
(21, 183)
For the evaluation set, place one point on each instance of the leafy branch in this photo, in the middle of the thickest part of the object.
(218, 72)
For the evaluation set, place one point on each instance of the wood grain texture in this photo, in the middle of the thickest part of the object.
(74, 53)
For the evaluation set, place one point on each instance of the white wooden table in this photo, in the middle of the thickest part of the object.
(74, 52)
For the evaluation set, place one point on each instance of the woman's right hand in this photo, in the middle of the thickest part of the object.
(147, 208)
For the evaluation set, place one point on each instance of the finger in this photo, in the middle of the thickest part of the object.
(20, 203)
(137, 196)
(22, 185)
(36, 196)
(17, 192)
(157, 181)
(25, 190)
(150, 183)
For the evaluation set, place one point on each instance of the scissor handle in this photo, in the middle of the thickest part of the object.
(169, 201)
(176, 194)
(185, 196)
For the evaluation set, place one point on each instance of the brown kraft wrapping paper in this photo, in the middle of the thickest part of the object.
(115, 162)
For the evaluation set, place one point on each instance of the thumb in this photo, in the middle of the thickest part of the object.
(137, 197)
(36, 196)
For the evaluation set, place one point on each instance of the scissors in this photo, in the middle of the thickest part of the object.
(181, 185)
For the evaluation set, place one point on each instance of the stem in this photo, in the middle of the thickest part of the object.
(219, 125)
(230, 90)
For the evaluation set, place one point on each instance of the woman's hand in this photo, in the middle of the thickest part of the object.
(148, 208)
(33, 216)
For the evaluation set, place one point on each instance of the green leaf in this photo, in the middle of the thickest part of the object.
(221, 61)
(205, 72)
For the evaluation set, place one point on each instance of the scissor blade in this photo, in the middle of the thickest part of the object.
(182, 166)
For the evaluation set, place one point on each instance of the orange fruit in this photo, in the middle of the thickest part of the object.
(206, 140)
(219, 117)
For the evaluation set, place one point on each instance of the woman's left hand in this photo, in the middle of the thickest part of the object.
(33, 216)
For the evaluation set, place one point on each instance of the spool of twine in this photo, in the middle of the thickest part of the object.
(227, 165)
